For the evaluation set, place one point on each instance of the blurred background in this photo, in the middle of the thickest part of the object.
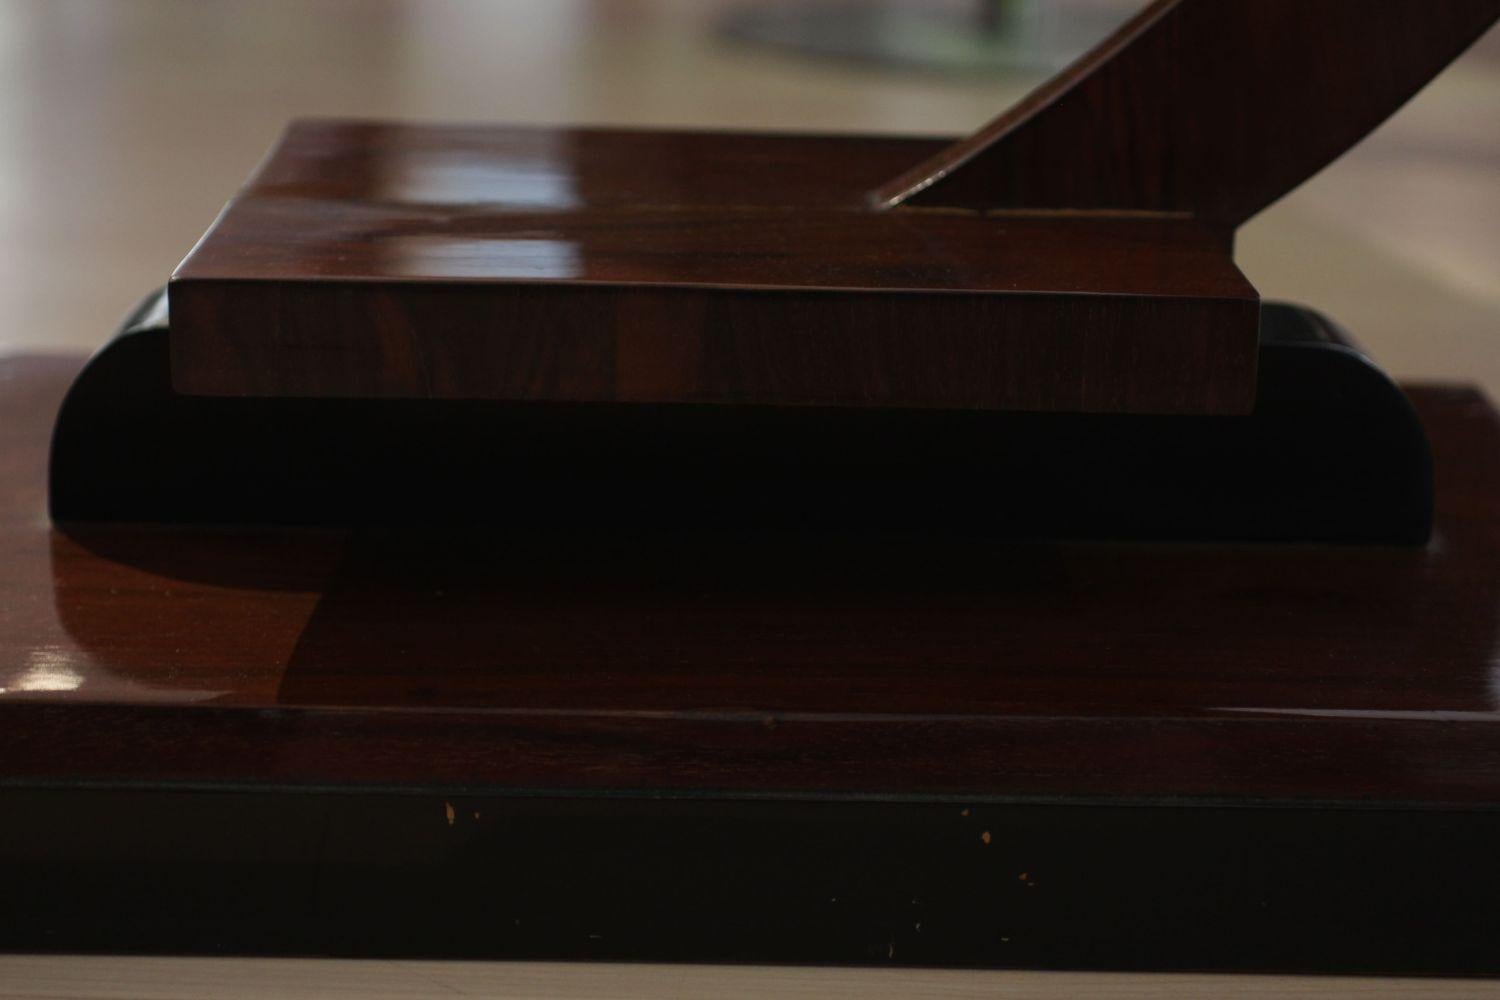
(126, 124)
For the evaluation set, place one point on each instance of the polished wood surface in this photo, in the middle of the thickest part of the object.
(372, 260)
(1211, 108)
(613, 660)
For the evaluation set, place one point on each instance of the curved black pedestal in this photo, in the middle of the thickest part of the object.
(1332, 453)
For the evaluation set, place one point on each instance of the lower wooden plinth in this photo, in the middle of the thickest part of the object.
(874, 748)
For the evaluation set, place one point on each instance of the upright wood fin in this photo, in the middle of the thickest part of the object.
(1208, 108)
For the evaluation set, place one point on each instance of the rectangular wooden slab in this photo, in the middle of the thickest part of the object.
(378, 260)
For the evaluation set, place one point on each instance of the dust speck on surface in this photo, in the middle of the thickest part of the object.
(985, 836)
(448, 809)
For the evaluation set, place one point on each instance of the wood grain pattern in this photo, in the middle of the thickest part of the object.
(1211, 108)
(372, 260)
(612, 660)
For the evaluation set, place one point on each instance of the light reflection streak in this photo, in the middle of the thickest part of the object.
(46, 670)
(481, 257)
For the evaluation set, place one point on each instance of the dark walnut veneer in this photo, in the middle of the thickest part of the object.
(415, 261)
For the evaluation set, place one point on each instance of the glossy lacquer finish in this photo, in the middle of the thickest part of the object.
(372, 260)
(875, 665)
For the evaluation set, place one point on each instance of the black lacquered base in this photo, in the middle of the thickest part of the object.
(456, 875)
(1333, 453)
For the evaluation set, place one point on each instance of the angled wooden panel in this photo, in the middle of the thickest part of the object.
(1212, 108)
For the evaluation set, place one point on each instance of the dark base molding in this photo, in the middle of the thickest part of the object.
(953, 883)
(1333, 453)
(453, 874)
